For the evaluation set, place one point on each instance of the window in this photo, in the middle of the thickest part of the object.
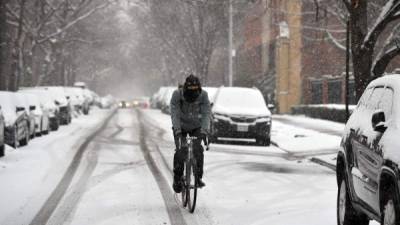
(352, 93)
(386, 102)
(373, 101)
(316, 92)
(334, 91)
(364, 98)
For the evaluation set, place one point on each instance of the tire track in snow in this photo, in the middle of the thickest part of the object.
(173, 210)
(44, 214)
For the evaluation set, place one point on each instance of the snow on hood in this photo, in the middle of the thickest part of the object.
(242, 111)
(240, 101)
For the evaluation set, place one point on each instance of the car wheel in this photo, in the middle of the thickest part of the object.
(25, 141)
(390, 215)
(263, 141)
(2, 150)
(55, 126)
(47, 130)
(346, 214)
(16, 138)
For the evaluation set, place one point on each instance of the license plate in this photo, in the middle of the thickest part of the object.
(242, 128)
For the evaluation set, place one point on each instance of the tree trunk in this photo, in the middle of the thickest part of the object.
(362, 58)
(3, 45)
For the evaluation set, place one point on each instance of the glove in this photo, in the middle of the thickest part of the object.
(203, 136)
(178, 139)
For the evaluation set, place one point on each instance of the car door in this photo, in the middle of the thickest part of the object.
(366, 145)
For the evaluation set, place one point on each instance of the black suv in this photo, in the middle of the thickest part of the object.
(368, 163)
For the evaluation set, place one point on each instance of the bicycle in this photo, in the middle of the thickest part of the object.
(189, 179)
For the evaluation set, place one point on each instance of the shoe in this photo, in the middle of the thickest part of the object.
(200, 183)
(177, 186)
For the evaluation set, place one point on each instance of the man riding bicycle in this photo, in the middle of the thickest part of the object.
(190, 113)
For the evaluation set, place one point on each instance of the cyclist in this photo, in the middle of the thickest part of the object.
(190, 113)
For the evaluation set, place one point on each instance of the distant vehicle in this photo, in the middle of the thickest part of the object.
(16, 120)
(2, 131)
(29, 108)
(142, 102)
(124, 104)
(48, 107)
(80, 84)
(368, 172)
(241, 113)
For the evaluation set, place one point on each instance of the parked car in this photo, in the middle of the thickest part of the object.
(60, 99)
(166, 99)
(48, 107)
(2, 131)
(16, 120)
(107, 102)
(368, 162)
(40, 113)
(29, 107)
(211, 91)
(241, 113)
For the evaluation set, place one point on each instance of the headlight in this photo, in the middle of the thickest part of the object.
(264, 119)
(220, 116)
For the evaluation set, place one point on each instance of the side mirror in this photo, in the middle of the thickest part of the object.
(57, 102)
(378, 121)
(20, 109)
(212, 104)
(68, 97)
(271, 106)
(32, 107)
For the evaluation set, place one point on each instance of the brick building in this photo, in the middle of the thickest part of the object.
(285, 50)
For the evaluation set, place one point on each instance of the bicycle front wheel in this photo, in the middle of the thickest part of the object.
(191, 184)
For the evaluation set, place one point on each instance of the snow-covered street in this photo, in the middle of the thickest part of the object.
(124, 176)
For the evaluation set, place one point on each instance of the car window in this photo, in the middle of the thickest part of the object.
(386, 102)
(375, 97)
(364, 98)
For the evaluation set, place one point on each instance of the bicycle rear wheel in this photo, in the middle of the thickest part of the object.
(191, 184)
(184, 193)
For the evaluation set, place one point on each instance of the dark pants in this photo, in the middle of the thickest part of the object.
(180, 154)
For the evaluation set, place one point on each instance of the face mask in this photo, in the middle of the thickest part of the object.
(191, 95)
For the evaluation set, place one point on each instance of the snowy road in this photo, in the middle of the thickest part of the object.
(124, 177)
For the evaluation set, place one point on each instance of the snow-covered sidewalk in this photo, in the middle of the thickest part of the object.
(29, 174)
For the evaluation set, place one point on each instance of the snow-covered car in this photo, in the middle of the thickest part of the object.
(240, 113)
(60, 99)
(16, 120)
(211, 91)
(166, 100)
(29, 107)
(40, 113)
(158, 96)
(2, 130)
(82, 98)
(48, 107)
(107, 102)
(368, 173)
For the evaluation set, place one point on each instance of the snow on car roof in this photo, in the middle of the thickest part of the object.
(7, 102)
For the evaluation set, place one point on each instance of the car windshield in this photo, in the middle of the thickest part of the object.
(240, 97)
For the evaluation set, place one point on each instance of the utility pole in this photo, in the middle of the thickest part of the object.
(348, 36)
(230, 78)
